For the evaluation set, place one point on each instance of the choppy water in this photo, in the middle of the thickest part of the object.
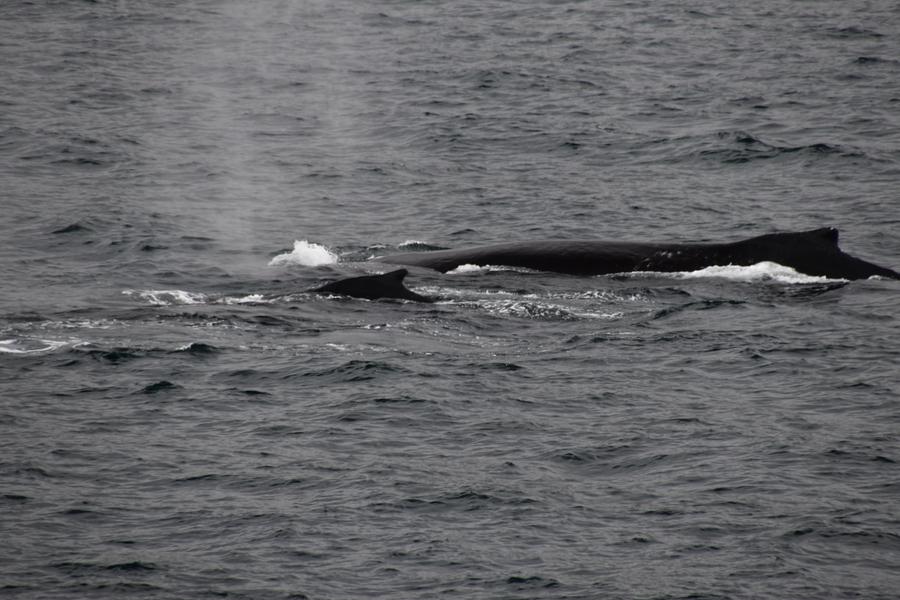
(180, 420)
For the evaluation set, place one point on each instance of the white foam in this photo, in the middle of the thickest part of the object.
(168, 297)
(176, 297)
(29, 345)
(409, 243)
(761, 271)
(606, 296)
(249, 299)
(307, 254)
(543, 310)
(83, 324)
(469, 268)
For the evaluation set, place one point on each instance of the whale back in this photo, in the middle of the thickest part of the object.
(374, 287)
(813, 252)
(573, 257)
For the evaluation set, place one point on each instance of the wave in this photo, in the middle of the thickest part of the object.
(72, 228)
(29, 345)
(740, 147)
(168, 297)
(159, 386)
(737, 147)
(853, 32)
(198, 348)
(183, 297)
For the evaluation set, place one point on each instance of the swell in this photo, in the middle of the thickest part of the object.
(735, 147)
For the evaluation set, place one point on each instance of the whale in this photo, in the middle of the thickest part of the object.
(814, 252)
(374, 287)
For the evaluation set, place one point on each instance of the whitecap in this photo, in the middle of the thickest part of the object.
(249, 299)
(29, 345)
(167, 297)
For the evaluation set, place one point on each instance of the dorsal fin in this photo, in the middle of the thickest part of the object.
(826, 234)
(399, 274)
(373, 287)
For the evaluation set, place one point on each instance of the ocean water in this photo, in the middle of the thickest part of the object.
(180, 419)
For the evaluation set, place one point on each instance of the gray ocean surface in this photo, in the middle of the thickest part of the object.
(179, 419)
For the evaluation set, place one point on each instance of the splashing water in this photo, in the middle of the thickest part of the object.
(307, 254)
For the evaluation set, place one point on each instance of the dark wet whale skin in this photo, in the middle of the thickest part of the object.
(374, 287)
(814, 252)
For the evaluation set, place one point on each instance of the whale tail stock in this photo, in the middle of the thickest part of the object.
(815, 252)
(374, 287)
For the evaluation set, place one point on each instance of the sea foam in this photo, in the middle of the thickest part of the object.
(762, 271)
(168, 297)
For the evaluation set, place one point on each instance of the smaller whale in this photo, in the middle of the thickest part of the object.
(374, 287)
